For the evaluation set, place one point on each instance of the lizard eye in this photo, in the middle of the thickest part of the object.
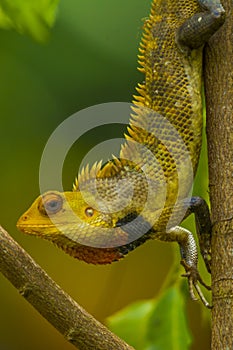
(51, 204)
(89, 212)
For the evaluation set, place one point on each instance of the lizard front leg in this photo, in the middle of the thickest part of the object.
(136, 225)
(199, 207)
(198, 29)
(189, 255)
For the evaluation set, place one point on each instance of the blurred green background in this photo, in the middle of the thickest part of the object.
(89, 59)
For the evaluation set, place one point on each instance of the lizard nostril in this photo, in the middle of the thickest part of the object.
(22, 220)
(25, 218)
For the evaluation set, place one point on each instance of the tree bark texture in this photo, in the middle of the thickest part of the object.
(218, 74)
(70, 319)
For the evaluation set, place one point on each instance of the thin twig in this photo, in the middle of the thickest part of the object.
(70, 319)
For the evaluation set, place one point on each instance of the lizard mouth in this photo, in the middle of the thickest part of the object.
(37, 229)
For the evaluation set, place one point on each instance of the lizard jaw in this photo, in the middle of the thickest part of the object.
(39, 229)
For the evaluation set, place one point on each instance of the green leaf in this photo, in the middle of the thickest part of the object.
(33, 17)
(157, 324)
(131, 323)
(167, 326)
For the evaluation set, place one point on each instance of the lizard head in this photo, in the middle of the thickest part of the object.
(55, 213)
(95, 222)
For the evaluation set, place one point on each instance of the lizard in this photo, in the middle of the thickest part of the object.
(116, 207)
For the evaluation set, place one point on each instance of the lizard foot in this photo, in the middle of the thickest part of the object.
(207, 260)
(193, 279)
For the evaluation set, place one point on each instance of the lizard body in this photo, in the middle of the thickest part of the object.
(97, 222)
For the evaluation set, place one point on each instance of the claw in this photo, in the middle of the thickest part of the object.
(207, 259)
(206, 253)
(193, 278)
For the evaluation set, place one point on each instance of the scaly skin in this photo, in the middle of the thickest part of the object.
(146, 196)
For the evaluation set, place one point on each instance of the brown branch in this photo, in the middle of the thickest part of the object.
(70, 319)
(219, 108)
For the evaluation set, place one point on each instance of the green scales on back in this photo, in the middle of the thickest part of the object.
(172, 80)
(97, 222)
